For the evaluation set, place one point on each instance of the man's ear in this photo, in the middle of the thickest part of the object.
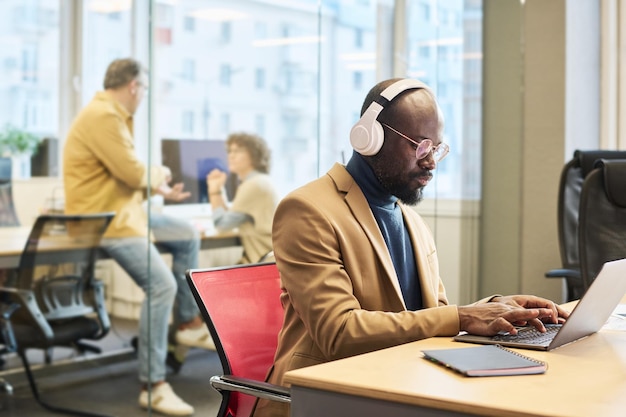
(133, 87)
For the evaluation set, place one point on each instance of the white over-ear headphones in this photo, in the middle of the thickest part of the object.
(367, 136)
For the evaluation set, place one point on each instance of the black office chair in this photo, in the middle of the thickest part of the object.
(7, 339)
(60, 301)
(570, 186)
(602, 216)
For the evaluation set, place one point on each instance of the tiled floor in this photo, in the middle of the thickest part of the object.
(111, 388)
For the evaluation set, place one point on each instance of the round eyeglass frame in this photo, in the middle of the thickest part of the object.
(425, 146)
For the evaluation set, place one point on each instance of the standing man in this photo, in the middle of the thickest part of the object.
(358, 266)
(102, 173)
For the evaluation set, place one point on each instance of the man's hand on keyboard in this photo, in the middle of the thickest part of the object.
(530, 301)
(502, 314)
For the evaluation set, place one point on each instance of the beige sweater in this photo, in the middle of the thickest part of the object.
(257, 198)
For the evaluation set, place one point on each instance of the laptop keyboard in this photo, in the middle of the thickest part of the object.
(530, 335)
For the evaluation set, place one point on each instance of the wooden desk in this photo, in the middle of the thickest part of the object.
(12, 240)
(584, 379)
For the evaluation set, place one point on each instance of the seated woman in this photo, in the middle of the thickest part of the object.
(255, 201)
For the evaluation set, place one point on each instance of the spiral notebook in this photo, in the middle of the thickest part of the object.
(488, 360)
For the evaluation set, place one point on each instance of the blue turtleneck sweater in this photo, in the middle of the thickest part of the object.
(388, 215)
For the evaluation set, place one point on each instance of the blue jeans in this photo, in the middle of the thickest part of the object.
(166, 290)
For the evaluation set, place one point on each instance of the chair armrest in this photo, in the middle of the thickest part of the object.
(564, 273)
(257, 389)
(29, 309)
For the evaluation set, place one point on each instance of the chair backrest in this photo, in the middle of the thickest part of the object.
(602, 227)
(241, 306)
(572, 176)
(58, 263)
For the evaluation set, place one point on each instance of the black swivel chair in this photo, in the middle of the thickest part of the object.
(7, 338)
(602, 226)
(60, 301)
(570, 186)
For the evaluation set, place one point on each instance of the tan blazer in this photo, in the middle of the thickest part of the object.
(342, 295)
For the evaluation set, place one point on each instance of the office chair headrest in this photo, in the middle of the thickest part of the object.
(587, 159)
(614, 179)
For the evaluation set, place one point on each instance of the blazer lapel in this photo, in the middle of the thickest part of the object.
(358, 205)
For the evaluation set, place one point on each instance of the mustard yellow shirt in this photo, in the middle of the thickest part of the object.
(101, 171)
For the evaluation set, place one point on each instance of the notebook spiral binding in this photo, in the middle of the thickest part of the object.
(538, 362)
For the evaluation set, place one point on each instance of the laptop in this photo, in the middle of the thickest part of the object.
(589, 315)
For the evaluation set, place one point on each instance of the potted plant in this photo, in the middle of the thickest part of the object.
(18, 145)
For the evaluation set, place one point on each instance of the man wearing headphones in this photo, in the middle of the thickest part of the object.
(358, 266)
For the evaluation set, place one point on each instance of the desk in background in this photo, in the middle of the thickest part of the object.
(584, 379)
(13, 239)
(123, 296)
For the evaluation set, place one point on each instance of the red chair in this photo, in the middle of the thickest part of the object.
(241, 307)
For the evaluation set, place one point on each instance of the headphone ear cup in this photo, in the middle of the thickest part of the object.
(367, 136)
(378, 137)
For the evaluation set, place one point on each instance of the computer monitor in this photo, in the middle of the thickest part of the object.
(190, 160)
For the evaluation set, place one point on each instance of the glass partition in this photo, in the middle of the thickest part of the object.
(292, 72)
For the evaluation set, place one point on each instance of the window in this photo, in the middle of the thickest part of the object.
(189, 70)
(425, 9)
(358, 38)
(189, 23)
(259, 122)
(29, 63)
(109, 36)
(259, 78)
(225, 124)
(188, 121)
(30, 67)
(260, 30)
(357, 80)
(225, 32)
(457, 82)
(225, 74)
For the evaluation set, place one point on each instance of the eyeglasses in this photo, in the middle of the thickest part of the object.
(145, 86)
(425, 147)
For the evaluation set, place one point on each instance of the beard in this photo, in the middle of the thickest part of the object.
(397, 182)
